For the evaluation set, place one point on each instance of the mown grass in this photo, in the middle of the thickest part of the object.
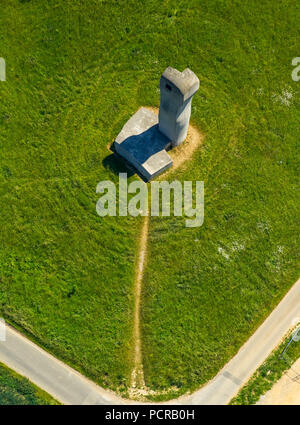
(207, 289)
(76, 71)
(66, 274)
(268, 374)
(17, 390)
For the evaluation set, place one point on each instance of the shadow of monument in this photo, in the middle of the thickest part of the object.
(139, 149)
(117, 164)
(146, 144)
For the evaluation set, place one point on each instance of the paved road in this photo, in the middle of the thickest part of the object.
(69, 387)
(50, 374)
(253, 353)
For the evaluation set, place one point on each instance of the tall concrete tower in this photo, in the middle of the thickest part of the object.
(176, 93)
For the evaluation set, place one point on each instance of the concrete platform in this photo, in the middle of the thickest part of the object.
(142, 144)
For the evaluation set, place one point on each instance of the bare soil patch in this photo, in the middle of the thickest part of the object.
(286, 390)
(184, 152)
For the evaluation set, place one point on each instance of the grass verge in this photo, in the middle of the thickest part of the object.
(268, 374)
(17, 390)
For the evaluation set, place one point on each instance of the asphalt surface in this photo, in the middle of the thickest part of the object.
(62, 382)
(69, 387)
(252, 354)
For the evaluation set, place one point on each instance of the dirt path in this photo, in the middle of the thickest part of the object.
(286, 390)
(70, 387)
(184, 152)
(137, 377)
(179, 155)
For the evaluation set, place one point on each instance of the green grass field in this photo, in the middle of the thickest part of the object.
(76, 71)
(16, 390)
(66, 274)
(207, 289)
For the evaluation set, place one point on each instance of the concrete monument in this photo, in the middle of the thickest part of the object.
(176, 93)
(146, 137)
